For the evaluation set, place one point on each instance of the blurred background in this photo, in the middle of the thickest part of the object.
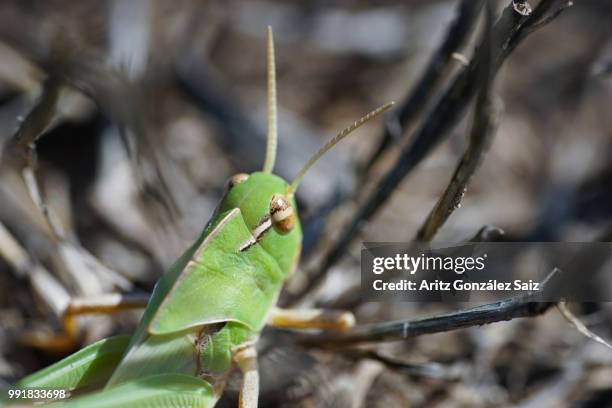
(162, 101)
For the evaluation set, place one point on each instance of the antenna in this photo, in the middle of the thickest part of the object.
(272, 116)
(341, 135)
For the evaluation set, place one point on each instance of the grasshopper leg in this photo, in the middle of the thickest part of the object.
(311, 319)
(105, 304)
(68, 340)
(246, 358)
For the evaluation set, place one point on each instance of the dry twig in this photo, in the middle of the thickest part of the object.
(570, 317)
(438, 66)
(480, 140)
(518, 306)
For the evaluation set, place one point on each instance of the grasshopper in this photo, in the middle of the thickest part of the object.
(206, 313)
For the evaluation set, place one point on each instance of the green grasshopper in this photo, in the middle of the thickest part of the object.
(206, 313)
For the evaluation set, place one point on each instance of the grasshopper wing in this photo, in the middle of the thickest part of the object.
(90, 367)
(221, 282)
(157, 391)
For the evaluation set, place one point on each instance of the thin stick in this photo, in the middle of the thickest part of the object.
(570, 317)
(396, 331)
(439, 65)
(526, 305)
(20, 147)
(450, 372)
(272, 111)
(341, 135)
(52, 293)
(481, 134)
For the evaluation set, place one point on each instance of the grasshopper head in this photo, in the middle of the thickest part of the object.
(266, 200)
(269, 211)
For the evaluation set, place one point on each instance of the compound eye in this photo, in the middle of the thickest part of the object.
(281, 214)
(237, 179)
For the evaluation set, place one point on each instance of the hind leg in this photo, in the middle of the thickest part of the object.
(311, 319)
(68, 340)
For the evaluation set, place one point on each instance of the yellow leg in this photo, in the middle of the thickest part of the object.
(246, 359)
(106, 304)
(311, 319)
(69, 340)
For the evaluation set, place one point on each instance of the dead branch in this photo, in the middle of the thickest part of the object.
(515, 307)
(20, 149)
(438, 66)
(479, 142)
(572, 319)
(454, 372)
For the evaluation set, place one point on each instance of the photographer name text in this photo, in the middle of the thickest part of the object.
(457, 285)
